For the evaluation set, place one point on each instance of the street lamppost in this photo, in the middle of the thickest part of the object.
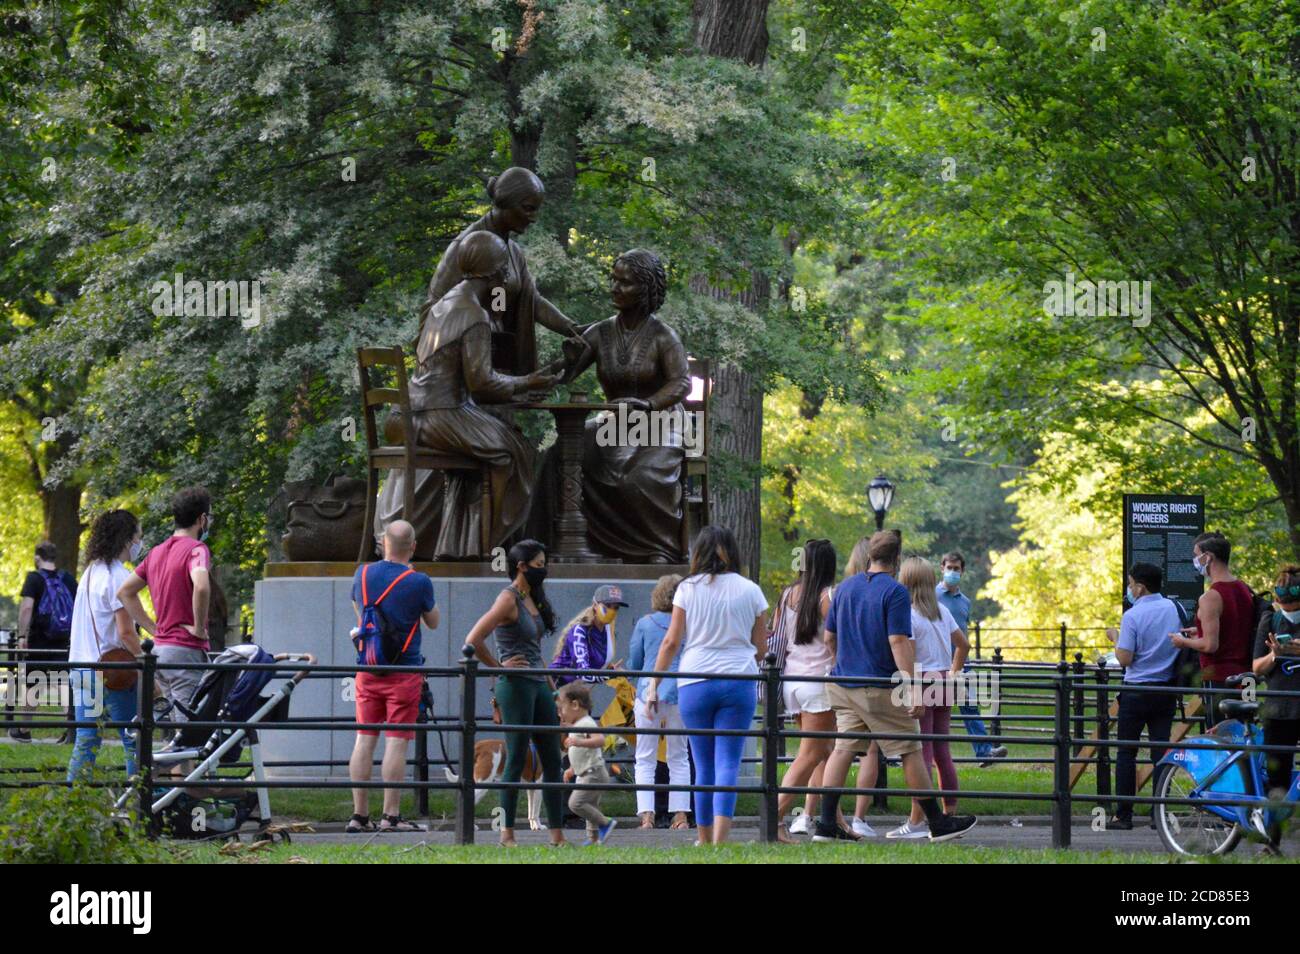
(880, 494)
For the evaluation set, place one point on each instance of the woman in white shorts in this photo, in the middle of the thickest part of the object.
(804, 605)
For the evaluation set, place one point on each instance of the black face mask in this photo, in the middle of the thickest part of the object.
(534, 575)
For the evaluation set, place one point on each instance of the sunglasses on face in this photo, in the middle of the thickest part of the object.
(1287, 594)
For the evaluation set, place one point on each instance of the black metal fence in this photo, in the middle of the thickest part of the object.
(1047, 710)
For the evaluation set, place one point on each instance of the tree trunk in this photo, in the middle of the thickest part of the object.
(62, 511)
(736, 29)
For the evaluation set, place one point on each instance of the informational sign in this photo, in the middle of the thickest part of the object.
(1160, 529)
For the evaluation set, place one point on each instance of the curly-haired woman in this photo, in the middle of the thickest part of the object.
(101, 623)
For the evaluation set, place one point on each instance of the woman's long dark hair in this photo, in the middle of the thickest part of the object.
(715, 551)
(818, 573)
(109, 535)
(523, 552)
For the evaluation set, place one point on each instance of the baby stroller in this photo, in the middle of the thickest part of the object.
(222, 696)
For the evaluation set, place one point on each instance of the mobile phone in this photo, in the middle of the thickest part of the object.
(1283, 638)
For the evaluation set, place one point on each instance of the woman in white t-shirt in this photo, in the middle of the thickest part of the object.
(941, 649)
(101, 623)
(717, 622)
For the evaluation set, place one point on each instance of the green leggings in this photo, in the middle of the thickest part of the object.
(527, 701)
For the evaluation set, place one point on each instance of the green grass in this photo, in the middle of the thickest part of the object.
(297, 852)
(335, 805)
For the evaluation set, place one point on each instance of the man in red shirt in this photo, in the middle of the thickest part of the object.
(176, 572)
(1225, 621)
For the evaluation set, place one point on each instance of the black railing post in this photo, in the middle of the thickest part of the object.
(1062, 640)
(422, 750)
(1061, 808)
(1078, 704)
(772, 744)
(468, 707)
(145, 742)
(977, 639)
(997, 691)
(1103, 735)
(10, 675)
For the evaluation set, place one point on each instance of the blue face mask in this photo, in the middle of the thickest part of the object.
(135, 550)
(1128, 591)
(951, 577)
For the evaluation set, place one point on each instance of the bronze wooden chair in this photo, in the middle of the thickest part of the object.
(407, 456)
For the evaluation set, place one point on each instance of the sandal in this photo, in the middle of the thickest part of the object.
(680, 822)
(398, 823)
(359, 824)
(647, 820)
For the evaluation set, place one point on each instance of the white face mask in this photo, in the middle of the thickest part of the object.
(1292, 616)
(136, 547)
(1202, 566)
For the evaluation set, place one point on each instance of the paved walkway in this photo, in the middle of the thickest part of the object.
(991, 832)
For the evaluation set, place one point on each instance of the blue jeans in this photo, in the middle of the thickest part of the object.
(716, 704)
(975, 726)
(91, 701)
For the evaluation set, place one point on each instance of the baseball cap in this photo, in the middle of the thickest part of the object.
(610, 594)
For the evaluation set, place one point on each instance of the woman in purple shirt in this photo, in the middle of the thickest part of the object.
(588, 640)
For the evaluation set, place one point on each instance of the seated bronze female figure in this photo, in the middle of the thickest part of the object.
(454, 376)
(631, 488)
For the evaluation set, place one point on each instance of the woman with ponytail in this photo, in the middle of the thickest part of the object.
(517, 621)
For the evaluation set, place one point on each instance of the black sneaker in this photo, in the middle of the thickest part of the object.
(998, 752)
(20, 735)
(948, 827)
(832, 833)
(1120, 824)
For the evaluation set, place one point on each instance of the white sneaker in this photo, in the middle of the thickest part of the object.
(860, 827)
(800, 825)
(909, 831)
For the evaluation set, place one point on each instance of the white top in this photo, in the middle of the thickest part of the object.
(720, 614)
(933, 640)
(811, 659)
(582, 759)
(96, 593)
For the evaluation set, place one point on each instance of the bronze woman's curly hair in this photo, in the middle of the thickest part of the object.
(650, 274)
(109, 535)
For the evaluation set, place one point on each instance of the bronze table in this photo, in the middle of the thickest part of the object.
(570, 531)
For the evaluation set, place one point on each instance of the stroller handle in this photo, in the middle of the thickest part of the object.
(308, 658)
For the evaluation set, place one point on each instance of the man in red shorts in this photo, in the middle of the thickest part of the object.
(406, 600)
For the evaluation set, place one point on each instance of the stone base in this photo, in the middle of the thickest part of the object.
(299, 612)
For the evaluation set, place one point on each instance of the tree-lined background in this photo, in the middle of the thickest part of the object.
(859, 204)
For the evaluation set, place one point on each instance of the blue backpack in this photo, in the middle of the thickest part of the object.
(376, 642)
(55, 607)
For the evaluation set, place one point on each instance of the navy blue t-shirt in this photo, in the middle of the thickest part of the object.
(865, 610)
(402, 607)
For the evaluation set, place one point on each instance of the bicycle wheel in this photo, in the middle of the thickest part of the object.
(1189, 829)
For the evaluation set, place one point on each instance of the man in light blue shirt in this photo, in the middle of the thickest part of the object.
(958, 603)
(1143, 648)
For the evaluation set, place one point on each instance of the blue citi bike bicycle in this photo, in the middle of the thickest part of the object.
(1213, 772)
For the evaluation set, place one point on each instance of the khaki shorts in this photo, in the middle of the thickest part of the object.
(871, 709)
